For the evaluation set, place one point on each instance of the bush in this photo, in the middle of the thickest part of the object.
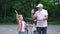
(24, 7)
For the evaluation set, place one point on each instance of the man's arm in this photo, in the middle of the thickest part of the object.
(32, 14)
(33, 17)
(46, 17)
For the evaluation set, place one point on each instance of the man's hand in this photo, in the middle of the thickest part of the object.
(32, 11)
(41, 19)
(45, 18)
(32, 14)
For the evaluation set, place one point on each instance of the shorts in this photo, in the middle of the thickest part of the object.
(22, 33)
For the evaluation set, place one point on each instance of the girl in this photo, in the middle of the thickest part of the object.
(21, 24)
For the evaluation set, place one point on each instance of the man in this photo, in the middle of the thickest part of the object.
(42, 16)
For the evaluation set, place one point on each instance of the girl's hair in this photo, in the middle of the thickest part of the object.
(21, 16)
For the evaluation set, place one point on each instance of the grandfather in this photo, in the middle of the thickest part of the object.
(42, 16)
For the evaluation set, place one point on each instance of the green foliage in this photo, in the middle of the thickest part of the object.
(7, 7)
(53, 10)
(54, 22)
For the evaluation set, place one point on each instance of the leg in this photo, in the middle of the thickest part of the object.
(44, 30)
(38, 30)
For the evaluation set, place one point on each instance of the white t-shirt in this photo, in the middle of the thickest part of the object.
(23, 27)
(41, 15)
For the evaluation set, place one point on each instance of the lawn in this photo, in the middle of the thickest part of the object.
(49, 23)
(54, 22)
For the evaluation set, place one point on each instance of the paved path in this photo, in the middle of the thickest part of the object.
(11, 29)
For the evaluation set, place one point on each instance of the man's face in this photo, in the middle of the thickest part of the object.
(39, 8)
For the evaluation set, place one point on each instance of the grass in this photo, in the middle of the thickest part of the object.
(49, 23)
(54, 22)
(8, 23)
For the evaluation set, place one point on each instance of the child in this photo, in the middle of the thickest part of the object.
(21, 24)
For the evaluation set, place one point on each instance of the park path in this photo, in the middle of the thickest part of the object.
(11, 29)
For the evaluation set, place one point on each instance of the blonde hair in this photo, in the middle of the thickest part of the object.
(21, 16)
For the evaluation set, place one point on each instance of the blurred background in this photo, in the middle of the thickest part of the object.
(7, 7)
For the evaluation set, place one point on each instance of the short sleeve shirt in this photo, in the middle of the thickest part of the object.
(41, 15)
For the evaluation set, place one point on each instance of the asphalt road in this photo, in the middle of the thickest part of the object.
(11, 29)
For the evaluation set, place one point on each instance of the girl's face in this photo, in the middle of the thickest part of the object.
(20, 17)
